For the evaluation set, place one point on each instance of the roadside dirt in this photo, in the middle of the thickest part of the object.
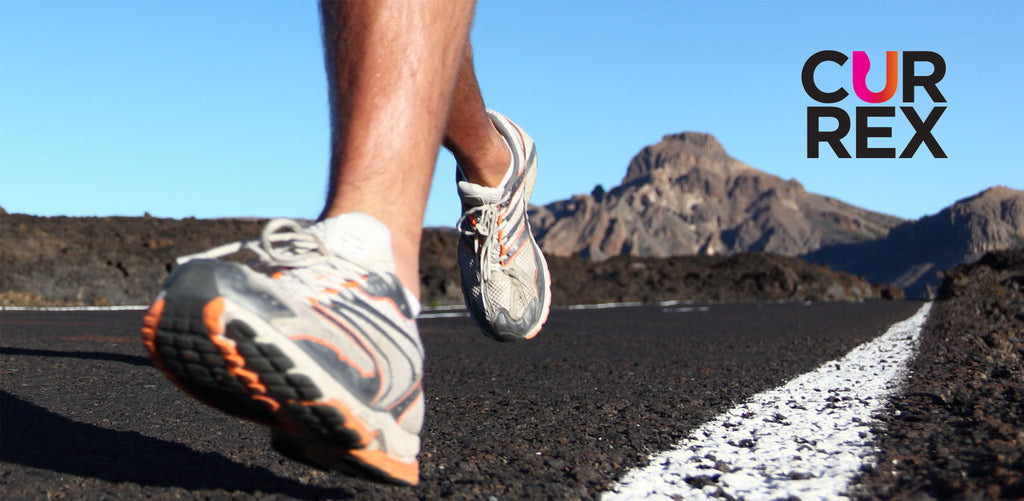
(957, 431)
(58, 261)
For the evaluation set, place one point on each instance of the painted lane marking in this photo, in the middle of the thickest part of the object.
(686, 309)
(606, 306)
(428, 311)
(598, 306)
(448, 307)
(75, 308)
(806, 439)
(443, 314)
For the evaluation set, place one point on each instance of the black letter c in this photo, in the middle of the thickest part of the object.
(808, 76)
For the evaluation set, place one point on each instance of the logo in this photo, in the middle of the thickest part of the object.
(868, 118)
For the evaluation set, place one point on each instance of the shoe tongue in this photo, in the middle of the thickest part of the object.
(474, 194)
(358, 237)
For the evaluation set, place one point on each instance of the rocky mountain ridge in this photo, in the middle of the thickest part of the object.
(914, 254)
(685, 195)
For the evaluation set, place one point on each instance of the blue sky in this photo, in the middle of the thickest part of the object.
(212, 109)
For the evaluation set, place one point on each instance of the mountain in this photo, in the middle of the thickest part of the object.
(915, 253)
(685, 195)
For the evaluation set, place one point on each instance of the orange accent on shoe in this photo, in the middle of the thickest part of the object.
(533, 334)
(349, 330)
(401, 471)
(361, 291)
(150, 322)
(271, 404)
(235, 361)
(410, 406)
(508, 261)
(412, 389)
(501, 238)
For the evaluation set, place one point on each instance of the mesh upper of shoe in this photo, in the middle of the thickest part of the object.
(498, 259)
(508, 280)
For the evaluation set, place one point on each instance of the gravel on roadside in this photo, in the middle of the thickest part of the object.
(957, 429)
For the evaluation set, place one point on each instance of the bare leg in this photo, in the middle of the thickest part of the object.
(470, 136)
(391, 69)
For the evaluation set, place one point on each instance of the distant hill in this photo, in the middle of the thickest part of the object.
(915, 253)
(685, 195)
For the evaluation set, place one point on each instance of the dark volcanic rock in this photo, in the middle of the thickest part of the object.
(123, 260)
(957, 431)
(742, 277)
(101, 260)
(440, 283)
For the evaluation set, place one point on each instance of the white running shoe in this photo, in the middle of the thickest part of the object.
(317, 341)
(505, 279)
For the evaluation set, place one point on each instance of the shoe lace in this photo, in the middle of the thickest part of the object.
(482, 223)
(283, 243)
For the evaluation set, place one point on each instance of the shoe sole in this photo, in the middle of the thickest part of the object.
(231, 360)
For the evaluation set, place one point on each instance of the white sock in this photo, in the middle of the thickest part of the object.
(363, 239)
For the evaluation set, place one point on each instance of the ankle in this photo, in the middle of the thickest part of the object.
(487, 166)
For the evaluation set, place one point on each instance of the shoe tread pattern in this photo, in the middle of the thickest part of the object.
(195, 363)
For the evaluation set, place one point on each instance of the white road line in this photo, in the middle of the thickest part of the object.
(686, 309)
(75, 308)
(445, 314)
(605, 306)
(448, 307)
(599, 306)
(428, 312)
(806, 439)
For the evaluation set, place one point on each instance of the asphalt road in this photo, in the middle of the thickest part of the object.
(85, 416)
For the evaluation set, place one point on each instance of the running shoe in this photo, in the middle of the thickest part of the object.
(316, 340)
(505, 279)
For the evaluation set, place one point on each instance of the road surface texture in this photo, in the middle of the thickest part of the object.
(85, 415)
